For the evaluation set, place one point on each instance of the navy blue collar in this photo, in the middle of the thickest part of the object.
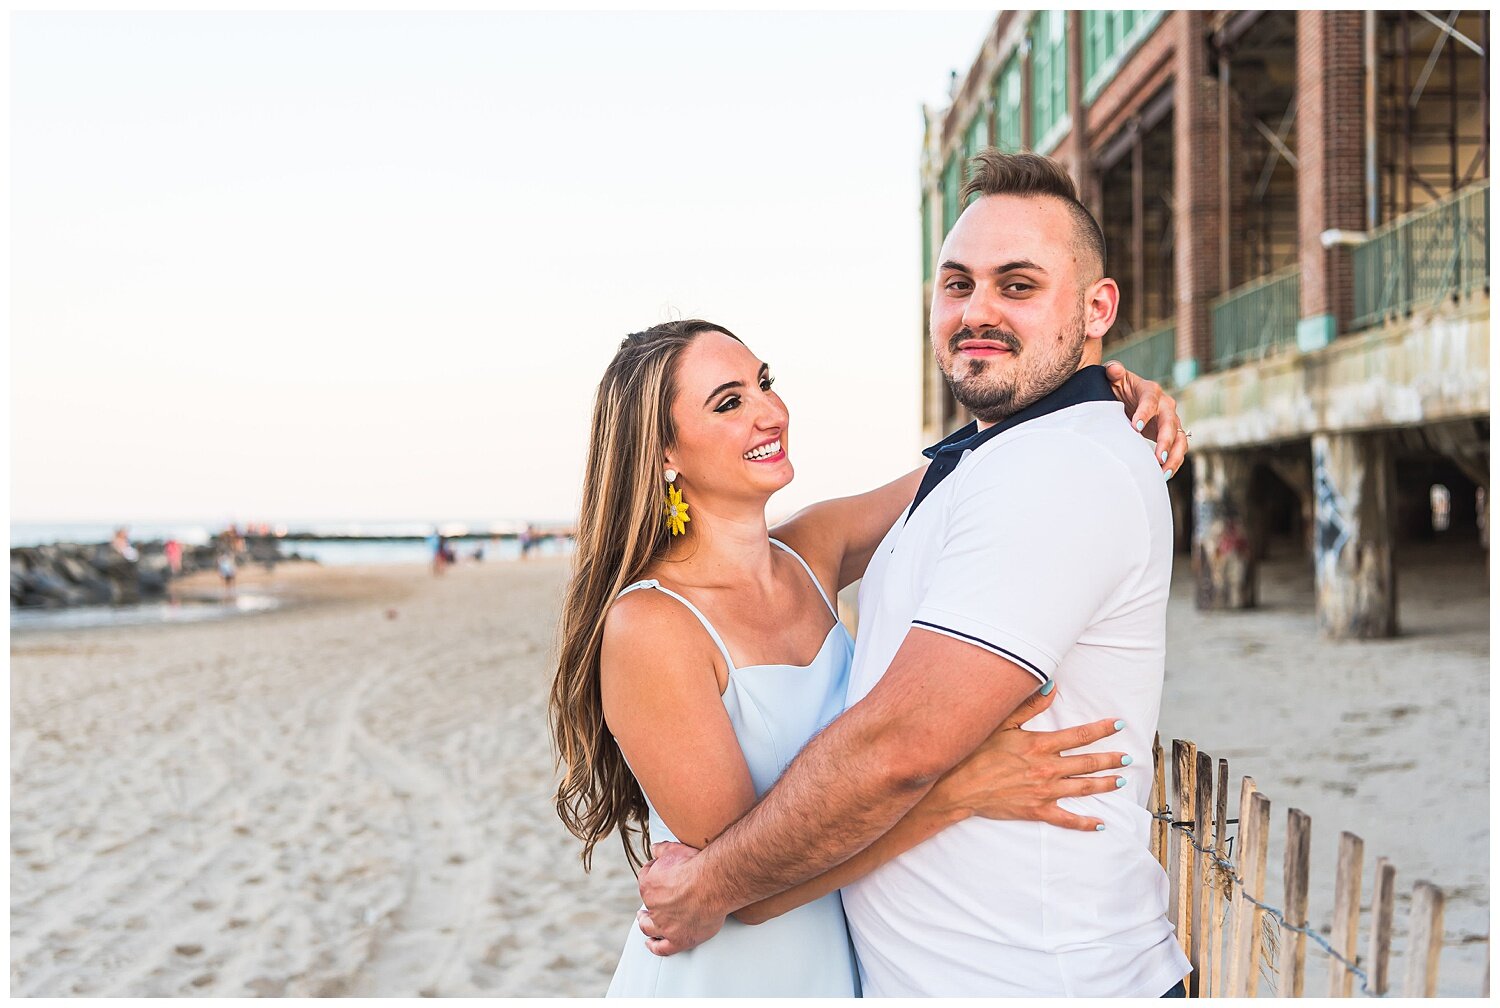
(1087, 384)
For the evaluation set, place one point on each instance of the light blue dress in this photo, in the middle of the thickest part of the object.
(806, 952)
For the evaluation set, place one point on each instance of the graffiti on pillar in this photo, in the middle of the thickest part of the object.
(1217, 521)
(1331, 512)
(1233, 540)
(1204, 513)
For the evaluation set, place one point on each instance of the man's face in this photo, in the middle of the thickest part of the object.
(1010, 313)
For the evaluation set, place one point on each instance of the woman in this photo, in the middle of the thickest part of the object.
(700, 650)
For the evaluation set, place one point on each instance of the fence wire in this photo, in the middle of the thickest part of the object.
(1186, 828)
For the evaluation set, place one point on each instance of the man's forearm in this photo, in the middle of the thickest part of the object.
(922, 822)
(834, 800)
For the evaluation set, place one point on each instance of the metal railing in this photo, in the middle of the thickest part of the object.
(1150, 352)
(1257, 318)
(1424, 258)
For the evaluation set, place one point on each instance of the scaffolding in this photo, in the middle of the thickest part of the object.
(1430, 98)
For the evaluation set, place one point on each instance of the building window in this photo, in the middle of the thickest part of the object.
(978, 134)
(1108, 35)
(1049, 76)
(952, 182)
(1008, 106)
(926, 238)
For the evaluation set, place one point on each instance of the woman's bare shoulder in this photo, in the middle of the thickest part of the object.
(644, 626)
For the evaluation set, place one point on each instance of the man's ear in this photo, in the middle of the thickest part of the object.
(1101, 307)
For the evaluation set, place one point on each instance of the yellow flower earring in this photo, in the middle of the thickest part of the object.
(677, 509)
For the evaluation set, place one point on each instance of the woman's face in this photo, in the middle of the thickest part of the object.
(731, 428)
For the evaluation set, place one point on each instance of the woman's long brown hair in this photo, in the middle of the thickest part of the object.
(621, 531)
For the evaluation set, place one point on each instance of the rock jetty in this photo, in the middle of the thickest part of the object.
(71, 574)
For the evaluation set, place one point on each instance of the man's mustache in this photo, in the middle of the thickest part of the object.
(1009, 340)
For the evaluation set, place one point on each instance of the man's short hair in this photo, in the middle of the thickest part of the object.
(994, 172)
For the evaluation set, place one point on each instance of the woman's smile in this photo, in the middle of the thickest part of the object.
(771, 451)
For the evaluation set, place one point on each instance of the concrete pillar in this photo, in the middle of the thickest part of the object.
(1330, 170)
(1354, 479)
(1223, 556)
(1198, 186)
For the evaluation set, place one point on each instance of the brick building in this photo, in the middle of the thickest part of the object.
(1296, 206)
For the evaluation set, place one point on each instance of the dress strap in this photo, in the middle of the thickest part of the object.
(653, 583)
(810, 574)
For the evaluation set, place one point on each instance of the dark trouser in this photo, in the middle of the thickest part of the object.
(1178, 991)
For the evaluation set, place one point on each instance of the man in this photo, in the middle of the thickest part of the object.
(1039, 545)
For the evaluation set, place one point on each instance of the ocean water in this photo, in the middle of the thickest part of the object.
(181, 611)
(344, 553)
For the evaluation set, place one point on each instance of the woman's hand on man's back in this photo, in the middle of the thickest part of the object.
(1021, 774)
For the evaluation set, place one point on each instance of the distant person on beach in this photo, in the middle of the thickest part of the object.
(227, 569)
(121, 545)
(173, 551)
(684, 685)
(437, 550)
(527, 539)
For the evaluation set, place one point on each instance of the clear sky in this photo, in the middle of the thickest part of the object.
(371, 266)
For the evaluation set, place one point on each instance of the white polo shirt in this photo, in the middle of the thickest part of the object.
(1046, 539)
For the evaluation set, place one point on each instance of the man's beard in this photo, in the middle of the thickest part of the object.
(993, 398)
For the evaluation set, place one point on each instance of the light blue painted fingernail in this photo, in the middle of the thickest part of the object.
(1163, 456)
(1099, 828)
(1119, 726)
(1048, 686)
(1119, 782)
(1140, 425)
(1126, 760)
(1169, 474)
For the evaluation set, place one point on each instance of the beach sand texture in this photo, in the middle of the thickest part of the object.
(322, 801)
(328, 801)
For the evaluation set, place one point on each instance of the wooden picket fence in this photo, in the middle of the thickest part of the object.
(1227, 928)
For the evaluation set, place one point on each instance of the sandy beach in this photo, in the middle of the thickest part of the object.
(319, 801)
(352, 795)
